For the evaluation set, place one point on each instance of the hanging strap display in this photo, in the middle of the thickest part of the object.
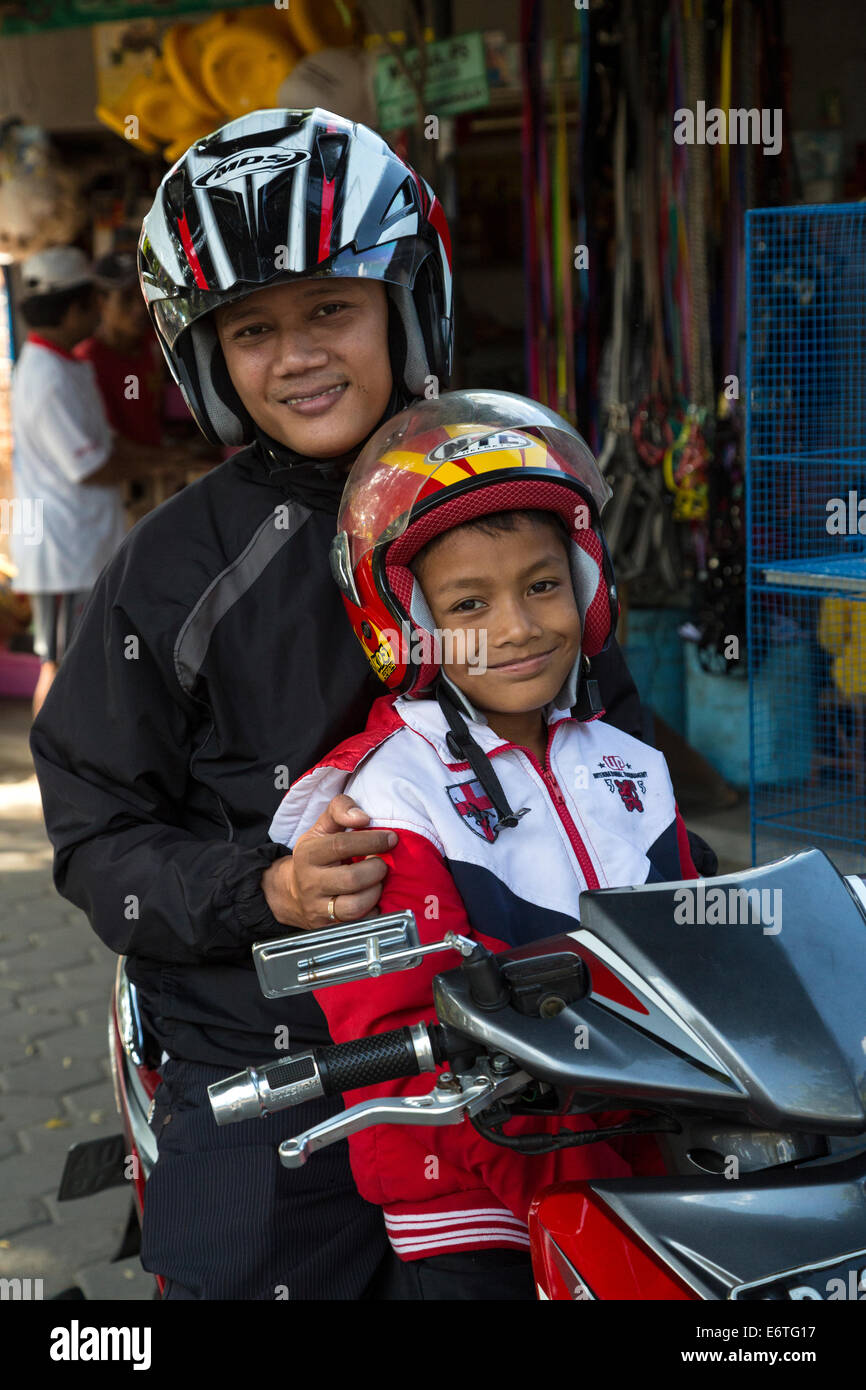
(531, 293)
(565, 400)
(701, 382)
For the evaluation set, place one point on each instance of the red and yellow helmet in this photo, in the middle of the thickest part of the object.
(436, 465)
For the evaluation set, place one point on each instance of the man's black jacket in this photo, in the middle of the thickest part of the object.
(213, 665)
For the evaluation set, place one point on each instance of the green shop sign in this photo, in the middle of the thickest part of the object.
(456, 80)
(36, 15)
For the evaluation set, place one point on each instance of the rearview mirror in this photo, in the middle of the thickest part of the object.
(305, 961)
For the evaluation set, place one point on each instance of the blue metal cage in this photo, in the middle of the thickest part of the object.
(806, 520)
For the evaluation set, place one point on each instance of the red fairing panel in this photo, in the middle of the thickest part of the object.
(609, 1259)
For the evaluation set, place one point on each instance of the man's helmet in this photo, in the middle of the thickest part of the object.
(435, 465)
(285, 195)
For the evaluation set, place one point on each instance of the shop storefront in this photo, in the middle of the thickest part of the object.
(596, 163)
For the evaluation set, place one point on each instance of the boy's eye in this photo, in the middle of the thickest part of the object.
(543, 585)
(252, 330)
(462, 606)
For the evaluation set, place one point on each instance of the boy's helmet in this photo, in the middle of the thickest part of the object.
(285, 195)
(442, 462)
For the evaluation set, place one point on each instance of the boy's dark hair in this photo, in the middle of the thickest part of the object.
(49, 310)
(496, 522)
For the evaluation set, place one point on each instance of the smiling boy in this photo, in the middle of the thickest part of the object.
(214, 663)
(530, 646)
(509, 796)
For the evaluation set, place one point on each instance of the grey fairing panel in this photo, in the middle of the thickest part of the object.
(718, 1234)
(783, 1012)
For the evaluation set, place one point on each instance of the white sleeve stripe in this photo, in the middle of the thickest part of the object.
(461, 1238)
(425, 1219)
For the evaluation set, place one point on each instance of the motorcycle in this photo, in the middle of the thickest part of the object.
(746, 1051)
(747, 1062)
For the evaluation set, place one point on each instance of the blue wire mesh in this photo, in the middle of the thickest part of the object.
(806, 542)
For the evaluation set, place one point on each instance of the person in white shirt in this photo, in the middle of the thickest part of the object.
(67, 461)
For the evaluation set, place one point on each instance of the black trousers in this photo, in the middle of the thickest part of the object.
(498, 1276)
(223, 1219)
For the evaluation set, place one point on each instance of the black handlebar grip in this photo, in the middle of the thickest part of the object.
(367, 1061)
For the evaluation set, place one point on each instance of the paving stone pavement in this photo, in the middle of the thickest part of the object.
(55, 1078)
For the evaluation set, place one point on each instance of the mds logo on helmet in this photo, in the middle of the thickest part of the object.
(238, 166)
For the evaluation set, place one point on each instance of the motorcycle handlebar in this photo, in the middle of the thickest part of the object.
(327, 1071)
(367, 1061)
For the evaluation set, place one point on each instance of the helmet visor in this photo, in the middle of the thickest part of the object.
(394, 262)
(493, 429)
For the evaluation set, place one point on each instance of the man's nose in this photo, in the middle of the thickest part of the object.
(297, 350)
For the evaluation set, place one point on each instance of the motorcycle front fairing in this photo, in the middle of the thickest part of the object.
(759, 1028)
(745, 1238)
(759, 1051)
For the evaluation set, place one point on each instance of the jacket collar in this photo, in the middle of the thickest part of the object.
(426, 718)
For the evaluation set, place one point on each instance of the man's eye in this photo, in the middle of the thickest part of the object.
(252, 330)
(331, 305)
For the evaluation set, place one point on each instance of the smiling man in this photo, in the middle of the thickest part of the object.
(214, 664)
(311, 360)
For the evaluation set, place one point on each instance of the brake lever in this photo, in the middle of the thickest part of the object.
(446, 1104)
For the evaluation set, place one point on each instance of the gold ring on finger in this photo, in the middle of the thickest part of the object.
(331, 913)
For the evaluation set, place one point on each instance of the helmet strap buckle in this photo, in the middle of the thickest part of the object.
(588, 700)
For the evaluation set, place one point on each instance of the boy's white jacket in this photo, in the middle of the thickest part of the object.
(602, 813)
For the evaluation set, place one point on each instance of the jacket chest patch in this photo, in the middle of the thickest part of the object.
(475, 808)
(619, 776)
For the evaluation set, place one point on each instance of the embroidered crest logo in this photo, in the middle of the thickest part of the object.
(474, 806)
(628, 792)
(619, 776)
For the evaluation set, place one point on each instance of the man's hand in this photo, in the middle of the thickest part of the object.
(299, 886)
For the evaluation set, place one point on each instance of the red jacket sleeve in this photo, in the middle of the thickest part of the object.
(391, 1163)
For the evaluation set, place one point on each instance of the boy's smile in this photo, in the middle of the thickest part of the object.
(515, 588)
(309, 360)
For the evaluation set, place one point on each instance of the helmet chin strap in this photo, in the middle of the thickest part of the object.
(588, 702)
(579, 694)
(461, 700)
(463, 746)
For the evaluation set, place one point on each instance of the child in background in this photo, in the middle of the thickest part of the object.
(475, 573)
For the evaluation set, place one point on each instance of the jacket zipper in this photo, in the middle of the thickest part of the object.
(556, 796)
